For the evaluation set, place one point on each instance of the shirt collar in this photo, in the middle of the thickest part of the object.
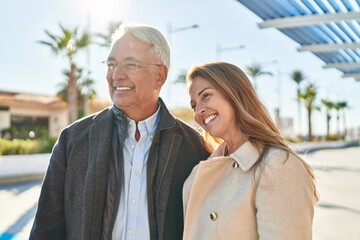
(150, 123)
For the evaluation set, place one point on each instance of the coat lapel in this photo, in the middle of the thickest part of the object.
(166, 166)
(160, 168)
(96, 177)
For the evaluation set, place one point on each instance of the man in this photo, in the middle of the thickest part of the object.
(119, 174)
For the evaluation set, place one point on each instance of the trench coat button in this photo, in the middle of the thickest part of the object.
(235, 165)
(213, 216)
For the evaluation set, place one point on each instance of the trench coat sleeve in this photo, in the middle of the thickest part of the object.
(49, 220)
(284, 199)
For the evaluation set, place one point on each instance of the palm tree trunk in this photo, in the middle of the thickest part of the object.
(344, 122)
(72, 94)
(309, 125)
(338, 123)
(299, 109)
(327, 124)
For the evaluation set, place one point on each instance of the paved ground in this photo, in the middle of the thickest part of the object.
(18, 204)
(337, 216)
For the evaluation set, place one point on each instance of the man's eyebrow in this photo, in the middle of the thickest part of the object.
(130, 59)
(111, 58)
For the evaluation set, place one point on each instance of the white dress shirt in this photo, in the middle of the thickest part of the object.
(132, 222)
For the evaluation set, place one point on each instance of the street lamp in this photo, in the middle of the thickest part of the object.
(170, 31)
(278, 91)
(219, 49)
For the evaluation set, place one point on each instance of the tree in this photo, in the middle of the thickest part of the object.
(105, 38)
(329, 106)
(68, 43)
(255, 71)
(338, 107)
(181, 78)
(298, 76)
(308, 96)
(85, 89)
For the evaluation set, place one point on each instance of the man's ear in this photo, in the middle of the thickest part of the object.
(162, 75)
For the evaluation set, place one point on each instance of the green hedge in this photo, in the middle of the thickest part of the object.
(19, 146)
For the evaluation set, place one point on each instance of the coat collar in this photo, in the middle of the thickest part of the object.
(166, 119)
(246, 155)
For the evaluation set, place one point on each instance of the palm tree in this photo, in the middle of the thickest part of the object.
(106, 37)
(256, 70)
(298, 76)
(68, 43)
(85, 89)
(329, 106)
(181, 78)
(309, 97)
(338, 107)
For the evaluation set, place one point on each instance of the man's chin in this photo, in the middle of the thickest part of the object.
(122, 104)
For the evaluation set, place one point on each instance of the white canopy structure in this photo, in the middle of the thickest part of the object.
(329, 29)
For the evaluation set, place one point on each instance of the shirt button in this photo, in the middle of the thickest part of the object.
(213, 216)
(130, 231)
(130, 123)
(235, 165)
(136, 173)
(133, 146)
(133, 201)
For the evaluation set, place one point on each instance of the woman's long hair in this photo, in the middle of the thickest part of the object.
(252, 116)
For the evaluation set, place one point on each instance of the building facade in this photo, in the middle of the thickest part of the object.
(32, 111)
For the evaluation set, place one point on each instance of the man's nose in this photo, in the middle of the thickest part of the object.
(118, 73)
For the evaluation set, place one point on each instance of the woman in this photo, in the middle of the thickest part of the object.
(253, 186)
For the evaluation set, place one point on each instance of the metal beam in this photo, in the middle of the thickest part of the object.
(301, 21)
(328, 47)
(352, 75)
(343, 65)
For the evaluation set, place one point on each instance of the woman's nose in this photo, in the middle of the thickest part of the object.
(200, 109)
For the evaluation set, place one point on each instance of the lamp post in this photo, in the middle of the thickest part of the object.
(278, 90)
(219, 49)
(170, 31)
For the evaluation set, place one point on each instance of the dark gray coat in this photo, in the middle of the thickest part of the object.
(73, 194)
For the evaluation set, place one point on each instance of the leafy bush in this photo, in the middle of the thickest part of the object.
(23, 132)
(19, 146)
(333, 137)
(185, 114)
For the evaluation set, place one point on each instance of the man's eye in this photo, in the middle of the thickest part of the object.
(111, 64)
(130, 65)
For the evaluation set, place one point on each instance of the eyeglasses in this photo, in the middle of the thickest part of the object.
(126, 66)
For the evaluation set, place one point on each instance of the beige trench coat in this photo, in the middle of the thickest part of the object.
(225, 199)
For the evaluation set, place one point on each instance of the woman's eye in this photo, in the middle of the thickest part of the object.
(205, 95)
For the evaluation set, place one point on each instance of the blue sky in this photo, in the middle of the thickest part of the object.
(27, 66)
